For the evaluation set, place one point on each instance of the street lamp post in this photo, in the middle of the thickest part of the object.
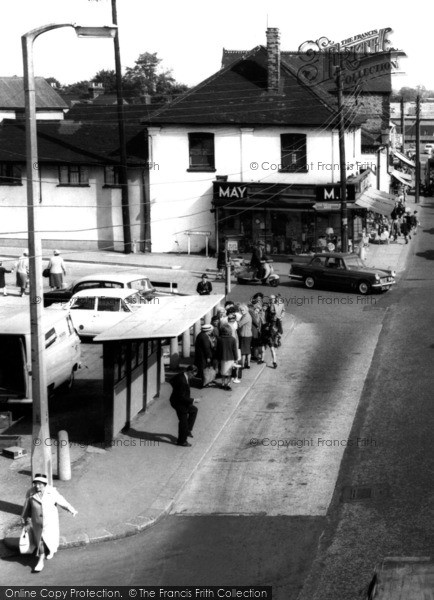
(41, 450)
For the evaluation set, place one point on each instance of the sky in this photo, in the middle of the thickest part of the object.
(189, 35)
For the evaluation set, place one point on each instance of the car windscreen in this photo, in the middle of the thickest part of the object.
(354, 263)
(134, 301)
(143, 285)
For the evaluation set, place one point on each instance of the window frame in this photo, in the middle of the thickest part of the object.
(83, 175)
(116, 172)
(13, 173)
(299, 165)
(201, 152)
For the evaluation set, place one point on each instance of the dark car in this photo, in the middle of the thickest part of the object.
(115, 279)
(344, 270)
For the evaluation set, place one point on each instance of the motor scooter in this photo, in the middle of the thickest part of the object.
(265, 276)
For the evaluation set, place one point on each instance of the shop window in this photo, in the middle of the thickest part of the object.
(293, 152)
(73, 175)
(10, 174)
(201, 152)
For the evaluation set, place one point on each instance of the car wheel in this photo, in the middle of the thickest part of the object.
(274, 282)
(309, 282)
(364, 287)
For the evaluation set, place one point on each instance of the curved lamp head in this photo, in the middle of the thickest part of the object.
(107, 31)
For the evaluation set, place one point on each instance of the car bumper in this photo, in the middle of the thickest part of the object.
(383, 286)
(299, 277)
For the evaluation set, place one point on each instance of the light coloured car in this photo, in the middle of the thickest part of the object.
(429, 148)
(95, 310)
(115, 279)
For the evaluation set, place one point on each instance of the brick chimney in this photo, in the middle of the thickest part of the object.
(95, 89)
(273, 59)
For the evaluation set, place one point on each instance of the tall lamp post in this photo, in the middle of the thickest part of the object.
(41, 450)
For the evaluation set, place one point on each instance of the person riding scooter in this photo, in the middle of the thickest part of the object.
(267, 274)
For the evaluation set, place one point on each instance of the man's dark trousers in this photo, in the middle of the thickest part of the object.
(181, 401)
(187, 417)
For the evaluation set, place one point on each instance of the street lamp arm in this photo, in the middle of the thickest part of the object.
(34, 33)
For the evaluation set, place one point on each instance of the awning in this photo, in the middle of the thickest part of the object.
(168, 318)
(404, 159)
(377, 201)
(401, 177)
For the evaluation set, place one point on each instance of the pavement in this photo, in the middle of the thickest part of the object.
(144, 472)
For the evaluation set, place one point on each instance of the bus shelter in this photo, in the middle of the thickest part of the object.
(132, 354)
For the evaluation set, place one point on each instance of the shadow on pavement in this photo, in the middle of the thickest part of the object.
(165, 438)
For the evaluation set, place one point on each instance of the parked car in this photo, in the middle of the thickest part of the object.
(62, 353)
(429, 148)
(95, 310)
(335, 270)
(116, 279)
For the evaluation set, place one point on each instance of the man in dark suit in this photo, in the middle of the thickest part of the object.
(181, 401)
(204, 287)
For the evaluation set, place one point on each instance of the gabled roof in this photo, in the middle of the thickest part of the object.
(62, 142)
(238, 95)
(12, 94)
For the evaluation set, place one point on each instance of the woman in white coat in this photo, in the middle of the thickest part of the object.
(40, 508)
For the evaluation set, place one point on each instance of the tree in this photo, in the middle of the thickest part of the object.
(80, 89)
(146, 77)
(53, 82)
(107, 78)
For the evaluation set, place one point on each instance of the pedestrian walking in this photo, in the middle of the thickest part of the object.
(22, 272)
(182, 402)
(227, 354)
(414, 221)
(204, 287)
(3, 271)
(57, 270)
(40, 513)
(271, 335)
(277, 308)
(245, 335)
(257, 315)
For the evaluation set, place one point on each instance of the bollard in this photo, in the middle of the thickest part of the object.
(174, 353)
(186, 344)
(197, 329)
(63, 458)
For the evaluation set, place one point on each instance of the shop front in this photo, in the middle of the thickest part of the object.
(289, 219)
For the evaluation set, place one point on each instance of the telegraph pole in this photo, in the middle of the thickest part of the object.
(123, 171)
(343, 194)
(403, 125)
(417, 175)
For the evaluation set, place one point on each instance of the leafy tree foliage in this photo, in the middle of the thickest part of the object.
(145, 78)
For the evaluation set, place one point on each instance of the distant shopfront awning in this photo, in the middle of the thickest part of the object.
(377, 201)
(404, 159)
(403, 178)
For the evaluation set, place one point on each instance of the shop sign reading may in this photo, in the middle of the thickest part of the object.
(366, 56)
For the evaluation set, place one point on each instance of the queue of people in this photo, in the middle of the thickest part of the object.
(237, 335)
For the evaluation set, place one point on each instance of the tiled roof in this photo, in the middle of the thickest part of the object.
(12, 94)
(133, 113)
(238, 95)
(317, 67)
(70, 142)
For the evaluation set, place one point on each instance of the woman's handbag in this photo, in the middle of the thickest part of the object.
(26, 541)
(209, 375)
(46, 272)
